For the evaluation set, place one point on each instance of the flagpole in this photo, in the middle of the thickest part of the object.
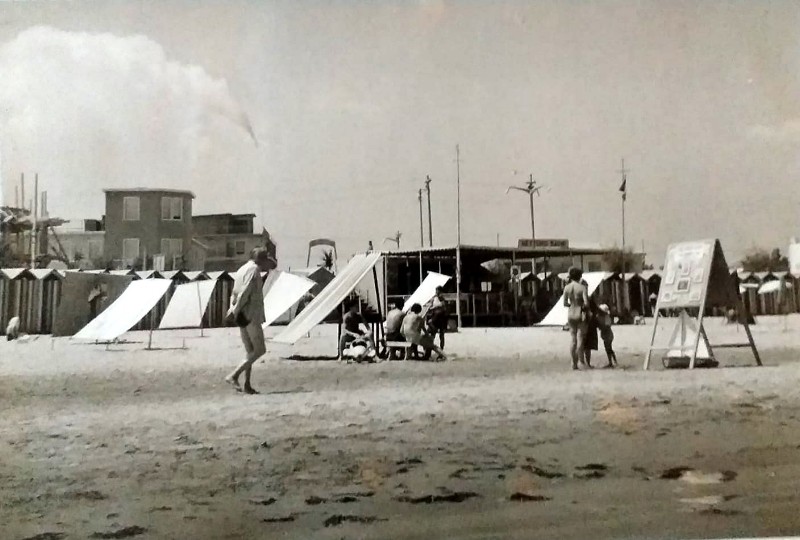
(624, 190)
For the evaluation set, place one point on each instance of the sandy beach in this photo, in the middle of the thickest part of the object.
(504, 441)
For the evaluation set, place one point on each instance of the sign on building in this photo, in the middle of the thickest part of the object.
(542, 243)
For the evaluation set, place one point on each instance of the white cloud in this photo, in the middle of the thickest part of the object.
(100, 110)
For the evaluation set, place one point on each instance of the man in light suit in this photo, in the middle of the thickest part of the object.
(247, 311)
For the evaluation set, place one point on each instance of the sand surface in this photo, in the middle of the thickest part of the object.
(505, 441)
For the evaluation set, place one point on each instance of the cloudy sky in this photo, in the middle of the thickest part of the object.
(352, 103)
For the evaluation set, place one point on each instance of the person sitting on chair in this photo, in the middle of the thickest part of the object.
(414, 332)
(394, 326)
(352, 329)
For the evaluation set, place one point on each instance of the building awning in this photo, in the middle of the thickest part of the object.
(496, 252)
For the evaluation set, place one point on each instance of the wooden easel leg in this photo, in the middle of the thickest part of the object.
(707, 343)
(700, 316)
(749, 334)
(652, 342)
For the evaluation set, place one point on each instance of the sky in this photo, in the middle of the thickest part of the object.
(324, 118)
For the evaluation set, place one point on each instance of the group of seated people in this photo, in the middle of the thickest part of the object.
(411, 327)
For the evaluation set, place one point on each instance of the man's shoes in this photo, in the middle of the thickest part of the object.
(233, 382)
(250, 390)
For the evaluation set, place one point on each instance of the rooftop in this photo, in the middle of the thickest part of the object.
(224, 215)
(150, 190)
(500, 252)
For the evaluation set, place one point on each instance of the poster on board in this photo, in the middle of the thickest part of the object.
(694, 272)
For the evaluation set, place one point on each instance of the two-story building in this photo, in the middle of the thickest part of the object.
(143, 225)
(228, 239)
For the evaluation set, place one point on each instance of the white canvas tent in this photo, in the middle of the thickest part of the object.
(681, 343)
(773, 286)
(330, 297)
(426, 290)
(188, 305)
(558, 315)
(282, 290)
(127, 310)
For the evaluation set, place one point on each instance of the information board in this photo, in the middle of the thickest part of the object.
(696, 276)
(686, 271)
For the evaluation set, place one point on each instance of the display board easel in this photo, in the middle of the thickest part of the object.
(696, 276)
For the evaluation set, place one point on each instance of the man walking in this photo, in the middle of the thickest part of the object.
(247, 311)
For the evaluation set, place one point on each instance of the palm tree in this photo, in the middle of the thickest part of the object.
(327, 261)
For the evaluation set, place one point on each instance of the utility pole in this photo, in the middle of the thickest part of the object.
(421, 233)
(430, 223)
(533, 222)
(531, 189)
(458, 238)
(395, 239)
(34, 246)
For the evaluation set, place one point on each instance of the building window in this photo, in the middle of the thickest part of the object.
(594, 266)
(240, 247)
(171, 209)
(130, 249)
(130, 209)
(171, 247)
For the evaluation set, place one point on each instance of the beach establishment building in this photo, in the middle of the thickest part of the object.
(514, 286)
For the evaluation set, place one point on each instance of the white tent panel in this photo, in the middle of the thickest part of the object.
(127, 310)
(188, 305)
(681, 343)
(330, 297)
(558, 315)
(772, 286)
(426, 290)
(284, 291)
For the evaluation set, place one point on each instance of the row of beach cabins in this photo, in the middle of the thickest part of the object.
(631, 293)
(35, 295)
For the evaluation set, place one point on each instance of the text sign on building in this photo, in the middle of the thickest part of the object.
(542, 243)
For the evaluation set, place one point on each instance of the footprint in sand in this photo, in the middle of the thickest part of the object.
(126, 532)
(337, 519)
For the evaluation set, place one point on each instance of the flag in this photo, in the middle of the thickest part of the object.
(624, 188)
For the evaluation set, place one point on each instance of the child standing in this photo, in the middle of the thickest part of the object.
(604, 322)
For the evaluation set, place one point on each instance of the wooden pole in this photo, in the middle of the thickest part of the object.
(533, 223)
(458, 287)
(430, 222)
(652, 339)
(378, 300)
(701, 314)
(35, 219)
(200, 307)
(458, 238)
(421, 233)
(747, 331)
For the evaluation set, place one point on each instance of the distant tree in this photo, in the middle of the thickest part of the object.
(761, 260)
(327, 260)
(616, 259)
